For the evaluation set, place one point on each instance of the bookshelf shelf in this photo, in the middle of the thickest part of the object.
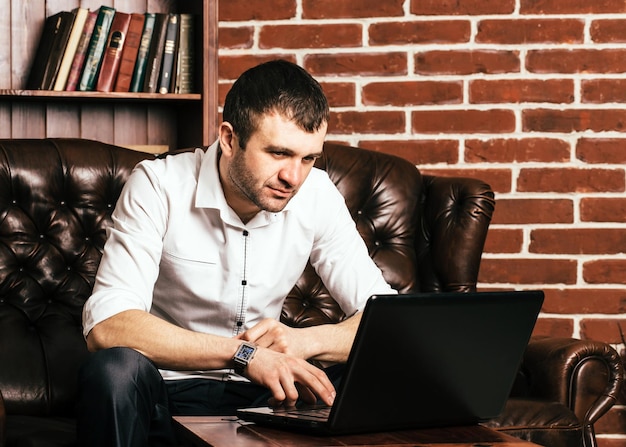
(51, 95)
(129, 119)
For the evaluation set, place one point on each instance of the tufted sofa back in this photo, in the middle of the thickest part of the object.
(56, 198)
(426, 233)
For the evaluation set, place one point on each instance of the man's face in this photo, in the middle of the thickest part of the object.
(268, 173)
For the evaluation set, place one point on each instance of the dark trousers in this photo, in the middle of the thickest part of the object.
(124, 401)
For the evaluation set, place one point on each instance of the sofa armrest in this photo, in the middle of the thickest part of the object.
(584, 375)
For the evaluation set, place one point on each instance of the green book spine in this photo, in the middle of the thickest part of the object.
(139, 73)
(95, 51)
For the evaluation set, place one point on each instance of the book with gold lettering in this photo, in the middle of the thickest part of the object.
(169, 54)
(112, 56)
(185, 60)
(130, 52)
(97, 44)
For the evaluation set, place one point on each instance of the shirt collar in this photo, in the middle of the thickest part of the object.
(210, 194)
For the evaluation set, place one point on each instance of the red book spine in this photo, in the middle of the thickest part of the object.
(81, 51)
(112, 56)
(129, 53)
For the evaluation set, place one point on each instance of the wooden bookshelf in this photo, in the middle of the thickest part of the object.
(128, 119)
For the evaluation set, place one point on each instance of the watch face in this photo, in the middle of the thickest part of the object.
(245, 352)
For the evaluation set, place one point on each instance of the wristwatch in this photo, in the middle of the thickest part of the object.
(242, 357)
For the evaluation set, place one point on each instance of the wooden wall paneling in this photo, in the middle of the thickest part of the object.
(209, 73)
(131, 124)
(5, 119)
(97, 123)
(28, 120)
(5, 50)
(6, 67)
(54, 6)
(130, 6)
(162, 5)
(62, 119)
(27, 19)
(93, 5)
(190, 130)
(162, 125)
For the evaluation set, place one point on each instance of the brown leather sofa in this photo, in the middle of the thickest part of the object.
(426, 233)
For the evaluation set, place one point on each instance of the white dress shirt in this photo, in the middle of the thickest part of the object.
(177, 250)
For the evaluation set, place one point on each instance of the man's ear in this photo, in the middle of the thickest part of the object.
(226, 138)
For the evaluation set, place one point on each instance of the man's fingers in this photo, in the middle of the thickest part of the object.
(306, 394)
(289, 377)
(321, 386)
(256, 332)
(267, 334)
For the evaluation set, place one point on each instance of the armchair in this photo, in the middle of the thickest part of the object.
(426, 233)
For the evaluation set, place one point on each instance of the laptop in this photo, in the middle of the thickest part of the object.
(423, 360)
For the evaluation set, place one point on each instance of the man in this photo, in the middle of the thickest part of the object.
(203, 249)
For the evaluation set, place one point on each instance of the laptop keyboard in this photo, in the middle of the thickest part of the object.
(321, 413)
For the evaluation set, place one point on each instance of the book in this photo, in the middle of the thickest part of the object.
(112, 56)
(169, 54)
(185, 61)
(155, 55)
(81, 51)
(139, 71)
(97, 43)
(129, 53)
(80, 16)
(50, 51)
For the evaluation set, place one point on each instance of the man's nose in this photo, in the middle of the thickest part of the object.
(291, 173)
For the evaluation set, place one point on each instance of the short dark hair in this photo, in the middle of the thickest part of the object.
(279, 86)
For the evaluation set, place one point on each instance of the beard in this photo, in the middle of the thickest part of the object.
(246, 184)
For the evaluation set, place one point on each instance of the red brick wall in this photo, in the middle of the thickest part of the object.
(528, 95)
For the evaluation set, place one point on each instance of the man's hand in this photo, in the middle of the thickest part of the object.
(276, 336)
(289, 378)
(325, 342)
(281, 362)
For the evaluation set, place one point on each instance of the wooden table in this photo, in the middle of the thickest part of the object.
(221, 431)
